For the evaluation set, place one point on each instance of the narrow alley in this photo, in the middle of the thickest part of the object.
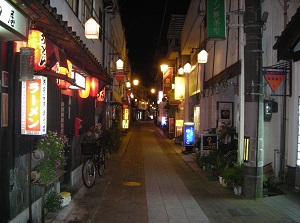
(150, 180)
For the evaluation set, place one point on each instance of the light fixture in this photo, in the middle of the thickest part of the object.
(91, 29)
(202, 56)
(119, 64)
(187, 68)
(37, 40)
(180, 71)
(164, 68)
(128, 84)
(152, 90)
(135, 82)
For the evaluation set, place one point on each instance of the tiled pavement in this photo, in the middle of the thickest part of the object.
(150, 180)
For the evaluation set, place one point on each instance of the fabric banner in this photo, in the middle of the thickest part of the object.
(167, 80)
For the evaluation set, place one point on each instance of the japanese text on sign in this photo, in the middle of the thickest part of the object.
(34, 106)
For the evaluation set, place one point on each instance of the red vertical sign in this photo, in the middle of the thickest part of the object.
(167, 80)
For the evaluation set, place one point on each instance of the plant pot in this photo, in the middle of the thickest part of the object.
(37, 155)
(220, 179)
(237, 190)
(35, 175)
(207, 167)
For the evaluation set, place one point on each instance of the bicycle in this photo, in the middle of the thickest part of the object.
(96, 161)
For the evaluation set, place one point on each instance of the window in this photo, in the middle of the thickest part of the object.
(88, 10)
(74, 6)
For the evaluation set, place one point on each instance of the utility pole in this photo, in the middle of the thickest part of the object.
(254, 123)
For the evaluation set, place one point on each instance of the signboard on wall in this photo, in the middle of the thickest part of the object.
(167, 80)
(216, 19)
(34, 106)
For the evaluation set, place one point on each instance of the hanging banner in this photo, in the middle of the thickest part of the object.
(167, 80)
(216, 19)
(274, 78)
(34, 106)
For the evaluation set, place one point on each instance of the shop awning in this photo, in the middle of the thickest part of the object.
(57, 30)
(289, 39)
(117, 97)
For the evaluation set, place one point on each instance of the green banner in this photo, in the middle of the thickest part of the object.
(216, 19)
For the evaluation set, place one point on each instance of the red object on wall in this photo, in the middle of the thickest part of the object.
(77, 126)
(37, 40)
(94, 87)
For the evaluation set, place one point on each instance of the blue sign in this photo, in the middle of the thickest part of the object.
(188, 134)
(209, 141)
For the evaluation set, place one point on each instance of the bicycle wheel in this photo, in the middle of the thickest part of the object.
(102, 163)
(88, 173)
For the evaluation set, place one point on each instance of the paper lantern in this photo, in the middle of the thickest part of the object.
(64, 71)
(86, 92)
(37, 40)
(94, 87)
(91, 28)
(202, 56)
(101, 95)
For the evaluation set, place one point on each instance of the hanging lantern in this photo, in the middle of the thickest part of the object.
(91, 29)
(37, 40)
(101, 95)
(85, 93)
(64, 71)
(94, 87)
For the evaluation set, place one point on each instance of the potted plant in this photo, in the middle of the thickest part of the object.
(234, 175)
(52, 144)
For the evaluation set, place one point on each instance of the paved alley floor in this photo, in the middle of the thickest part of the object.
(150, 180)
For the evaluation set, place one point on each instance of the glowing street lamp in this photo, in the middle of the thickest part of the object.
(135, 82)
(164, 68)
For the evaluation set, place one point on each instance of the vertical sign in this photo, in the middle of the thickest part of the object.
(216, 19)
(34, 106)
(125, 122)
(179, 88)
(167, 80)
(188, 134)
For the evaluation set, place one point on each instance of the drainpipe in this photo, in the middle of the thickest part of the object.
(253, 169)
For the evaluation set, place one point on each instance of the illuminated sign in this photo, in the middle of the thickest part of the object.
(167, 80)
(188, 134)
(12, 21)
(125, 124)
(179, 88)
(125, 113)
(34, 106)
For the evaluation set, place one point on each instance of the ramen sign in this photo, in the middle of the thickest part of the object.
(34, 106)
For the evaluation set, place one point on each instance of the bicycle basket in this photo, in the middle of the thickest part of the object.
(88, 148)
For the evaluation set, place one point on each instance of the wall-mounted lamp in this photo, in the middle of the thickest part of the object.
(128, 84)
(187, 68)
(119, 64)
(180, 71)
(202, 56)
(91, 29)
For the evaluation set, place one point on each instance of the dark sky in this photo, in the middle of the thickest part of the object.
(146, 24)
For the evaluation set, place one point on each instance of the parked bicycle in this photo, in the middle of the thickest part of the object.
(96, 161)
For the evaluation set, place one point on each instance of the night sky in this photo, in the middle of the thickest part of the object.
(146, 24)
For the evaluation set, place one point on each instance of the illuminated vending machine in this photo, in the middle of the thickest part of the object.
(188, 136)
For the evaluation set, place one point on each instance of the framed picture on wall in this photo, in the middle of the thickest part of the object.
(225, 112)
(4, 79)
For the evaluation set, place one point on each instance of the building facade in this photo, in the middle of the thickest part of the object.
(69, 107)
